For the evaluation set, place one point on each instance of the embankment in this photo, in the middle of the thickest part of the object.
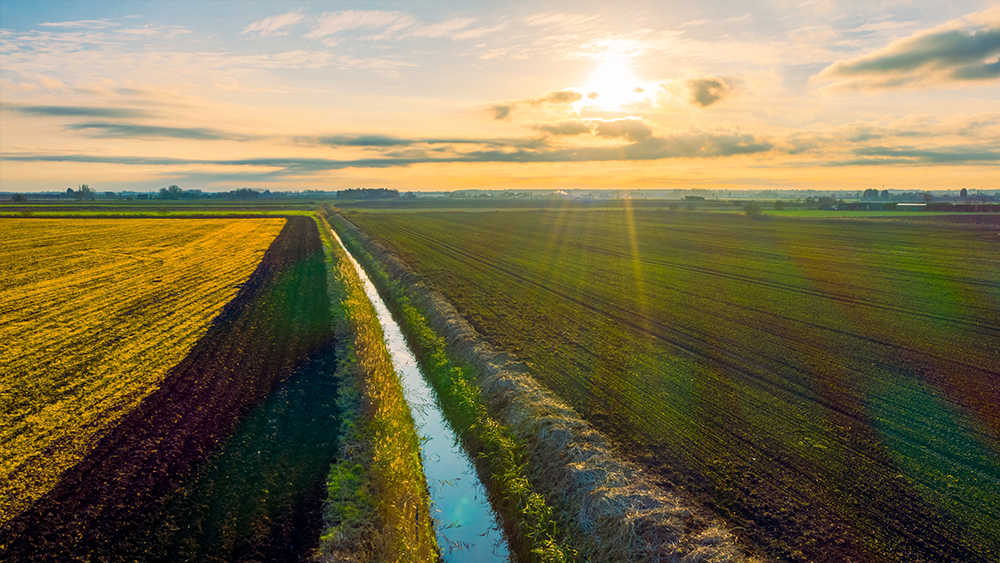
(611, 510)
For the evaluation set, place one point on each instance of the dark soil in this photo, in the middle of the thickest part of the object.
(278, 321)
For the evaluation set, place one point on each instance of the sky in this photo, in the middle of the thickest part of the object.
(421, 96)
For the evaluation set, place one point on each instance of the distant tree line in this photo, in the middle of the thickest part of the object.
(875, 194)
(246, 193)
(174, 192)
(84, 192)
(825, 202)
(367, 193)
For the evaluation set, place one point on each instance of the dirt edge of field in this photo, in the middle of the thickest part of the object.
(621, 512)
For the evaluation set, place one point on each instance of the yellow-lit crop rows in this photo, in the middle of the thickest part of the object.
(93, 313)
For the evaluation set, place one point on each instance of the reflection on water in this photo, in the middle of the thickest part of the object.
(467, 528)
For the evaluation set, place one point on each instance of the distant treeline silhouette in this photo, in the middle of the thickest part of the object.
(367, 193)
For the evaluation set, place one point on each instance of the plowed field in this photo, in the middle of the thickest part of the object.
(92, 315)
(829, 388)
(278, 321)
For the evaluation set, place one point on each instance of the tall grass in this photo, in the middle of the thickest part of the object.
(534, 533)
(378, 503)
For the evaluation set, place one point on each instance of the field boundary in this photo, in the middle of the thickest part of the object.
(618, 513)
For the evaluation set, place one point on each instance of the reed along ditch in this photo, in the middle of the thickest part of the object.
(227, 460)
(467, 526)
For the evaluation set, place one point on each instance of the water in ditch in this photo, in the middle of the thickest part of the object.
(467, 526)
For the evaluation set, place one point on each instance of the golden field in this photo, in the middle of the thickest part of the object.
(93, 314)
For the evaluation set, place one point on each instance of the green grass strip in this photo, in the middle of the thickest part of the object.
(533, 531)
(378, 504)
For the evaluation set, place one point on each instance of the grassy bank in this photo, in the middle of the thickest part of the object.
(378, 504)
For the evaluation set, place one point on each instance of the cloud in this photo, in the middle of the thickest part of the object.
(944, 155)
(396, 25)
(707, 91)
(268, 27)
(388, 141)
(78, 111)
(128, 130)
(502, 111)
(940, 135)
(151, 30)
(567, 128)
(881, 26)
(51, 83)
(859, 131)
(559, 20)
(363, 141)
(91, 24)
(947, 54)
(557, 97)
(955, 155)
(630, 128)
(690, 144)
(331, 23)
(448, 28)
(743, 18)
(477, 32)
(698, 144)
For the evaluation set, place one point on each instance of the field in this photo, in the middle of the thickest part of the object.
(481, 204)
(94, 314)
(826, 387)
(156, 390)
(116, 209)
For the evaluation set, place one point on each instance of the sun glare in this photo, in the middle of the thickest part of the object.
(615, 85)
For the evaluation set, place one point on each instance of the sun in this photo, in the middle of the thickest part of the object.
(615, 85)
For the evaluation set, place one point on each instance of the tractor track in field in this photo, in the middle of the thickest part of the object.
(254, 343)
(725, 358)
(691, 343)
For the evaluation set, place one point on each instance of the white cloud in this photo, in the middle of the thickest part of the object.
(569, 21)
(51, 83)
(271, 26)
(442, 29)
(478, 32)
(743, 18)
(334, 22)
(947, 54)
(92, 24)
(882, 26)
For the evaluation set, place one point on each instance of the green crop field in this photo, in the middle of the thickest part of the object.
(829, 388)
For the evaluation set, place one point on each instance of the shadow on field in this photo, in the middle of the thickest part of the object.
(135, 476)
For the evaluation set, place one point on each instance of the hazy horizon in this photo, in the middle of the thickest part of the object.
(416, 96)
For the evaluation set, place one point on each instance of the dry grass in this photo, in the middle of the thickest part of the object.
(618, 513)
(93, 313)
